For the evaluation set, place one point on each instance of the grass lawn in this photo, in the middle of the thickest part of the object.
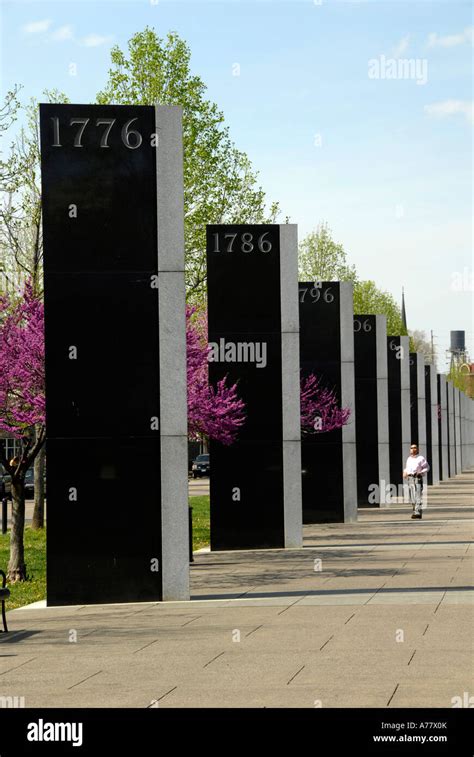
(25, 592)
(201, 521)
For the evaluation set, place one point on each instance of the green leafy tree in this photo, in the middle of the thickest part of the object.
(20, 211)
(420, 343)
(460, 375)
(8, 115)
(323, 259)
(220, 185)
(369, 299)
(21, 237)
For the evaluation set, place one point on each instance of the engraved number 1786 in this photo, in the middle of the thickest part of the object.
(246, 242)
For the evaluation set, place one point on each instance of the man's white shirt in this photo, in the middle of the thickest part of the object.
(417, 465)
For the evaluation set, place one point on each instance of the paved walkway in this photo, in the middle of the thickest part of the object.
(373, 614)
(198, 487)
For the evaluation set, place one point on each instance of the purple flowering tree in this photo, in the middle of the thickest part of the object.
(22, 404)
(320, 411)
(218, 412)
(213, 412)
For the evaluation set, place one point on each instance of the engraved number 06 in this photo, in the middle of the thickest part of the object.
(366, 326)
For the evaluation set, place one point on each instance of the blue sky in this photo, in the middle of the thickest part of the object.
(387, 162)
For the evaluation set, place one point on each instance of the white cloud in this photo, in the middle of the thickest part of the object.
(451, 40)
(401, 47)
(37, 27)
(62, 33)
(95, 40)
(451, 108)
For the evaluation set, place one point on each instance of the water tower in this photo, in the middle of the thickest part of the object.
(458, 348)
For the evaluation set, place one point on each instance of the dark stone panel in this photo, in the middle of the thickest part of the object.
(365, 373)
(321, 463)
(395, 411)
(414, 398)
(256, 519)
(114, 189)
(365, 347)
(260, 388)
(451, 429)
(442, 472)
(429, 435)
(100, 547)
(243, 287)
(112, 388)
(449, 432)
(244, 308)
(100, 249)
(320, 326)
(320, 354)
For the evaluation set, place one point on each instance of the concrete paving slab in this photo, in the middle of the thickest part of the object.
(352, 599)
(305, 635)
(460, 597)
(407, 597)
(439, 658)
(293, 697)
(416, 694)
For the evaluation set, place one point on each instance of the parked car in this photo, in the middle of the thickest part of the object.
(30, 484)
(201, 466)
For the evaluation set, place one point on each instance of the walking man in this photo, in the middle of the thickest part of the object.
(416, 467)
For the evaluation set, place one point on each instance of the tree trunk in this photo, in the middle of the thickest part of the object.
(16, 566)
(38, 512)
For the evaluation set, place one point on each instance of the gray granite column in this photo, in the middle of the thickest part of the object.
(417, 400)
(382, 403)
(451, 431)
(457, 427)
(443, 428)
(172, 337)
(290, 356)
(431, 405)
(348, 400)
